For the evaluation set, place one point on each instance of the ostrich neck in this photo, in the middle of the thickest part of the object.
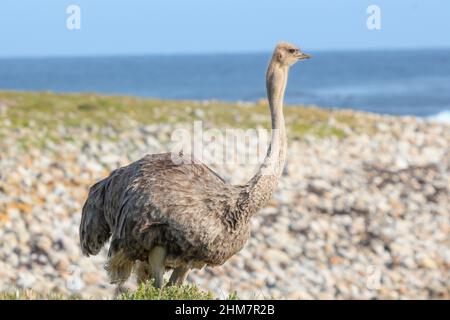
(260, 188)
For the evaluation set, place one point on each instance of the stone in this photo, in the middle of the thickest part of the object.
(377, 197)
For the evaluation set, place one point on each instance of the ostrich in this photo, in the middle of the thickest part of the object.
(164, 215)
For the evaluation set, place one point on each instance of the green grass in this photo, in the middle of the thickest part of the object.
(184, 292)
(143, 292)
(32, 295)
(39, 115)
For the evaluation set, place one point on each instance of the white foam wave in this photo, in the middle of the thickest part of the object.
(443, 117)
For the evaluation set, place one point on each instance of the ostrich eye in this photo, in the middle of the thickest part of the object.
(292, 50)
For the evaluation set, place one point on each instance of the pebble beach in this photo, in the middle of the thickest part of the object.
(362, 210)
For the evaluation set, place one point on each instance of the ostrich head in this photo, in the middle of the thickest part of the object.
(287, 54)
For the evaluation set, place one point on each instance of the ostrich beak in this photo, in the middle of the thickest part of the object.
(303, 56)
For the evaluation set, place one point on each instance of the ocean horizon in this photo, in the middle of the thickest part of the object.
(395, 82)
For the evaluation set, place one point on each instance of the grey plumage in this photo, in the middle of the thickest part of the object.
(183, 215)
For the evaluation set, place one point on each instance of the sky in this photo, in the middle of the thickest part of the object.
(112, 27)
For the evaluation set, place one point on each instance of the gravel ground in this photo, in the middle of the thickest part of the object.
(364, 216)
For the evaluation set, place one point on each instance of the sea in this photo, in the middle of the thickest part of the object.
(405, 82)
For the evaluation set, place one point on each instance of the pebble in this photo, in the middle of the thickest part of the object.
(342, 206)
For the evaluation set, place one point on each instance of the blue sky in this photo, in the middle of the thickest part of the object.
(38, 28)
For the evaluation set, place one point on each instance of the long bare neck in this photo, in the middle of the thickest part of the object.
(260, 188)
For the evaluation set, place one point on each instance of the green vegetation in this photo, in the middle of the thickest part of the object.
(46, 113)
(32, 295)
(143, 292)
(184, 292)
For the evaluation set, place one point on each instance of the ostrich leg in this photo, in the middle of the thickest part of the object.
(119, 290)
(178, 276)
(141, 271)
(156, 260)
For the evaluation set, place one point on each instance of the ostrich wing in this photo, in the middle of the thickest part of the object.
(155, 200)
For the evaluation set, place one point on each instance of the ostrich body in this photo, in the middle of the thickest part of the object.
(181, 215)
